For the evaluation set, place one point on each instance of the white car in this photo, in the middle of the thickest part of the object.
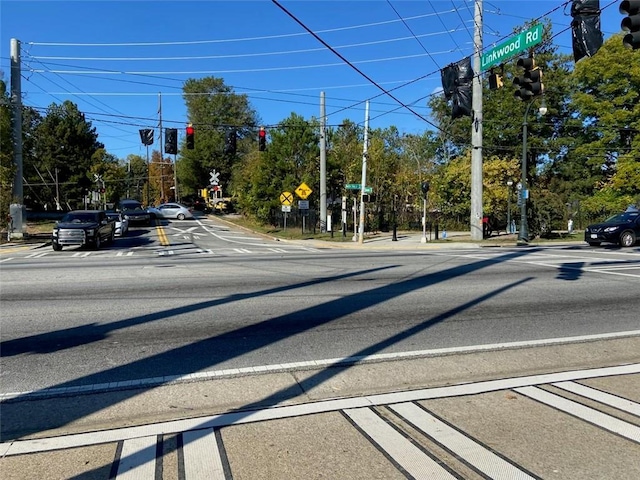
(171, 210)
(122, 223)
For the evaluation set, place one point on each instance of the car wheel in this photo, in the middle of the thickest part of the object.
(627, 239)
(594, 244)
(97, 244)
(181, 216)
(56, 246)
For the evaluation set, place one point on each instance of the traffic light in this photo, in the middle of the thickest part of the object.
(530, 82)
(231, 143)
(495, 79)
(146, 136)
(424, 186)
(631, 24)
(171, 141)
(190, 139)
(262, 139)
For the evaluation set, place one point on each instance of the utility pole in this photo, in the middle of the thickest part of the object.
(476, 130)
(162, 199)
(17, 209)
(323, 166)
(364, 170)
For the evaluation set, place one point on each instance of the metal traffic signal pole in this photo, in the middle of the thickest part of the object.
(364, 171)
(323, 166)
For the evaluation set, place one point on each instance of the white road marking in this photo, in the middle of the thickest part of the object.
(603, 420)
(468, 450)
(21, 447)
(614, 401)
(138, 459)
(413, 460)
(201, 455)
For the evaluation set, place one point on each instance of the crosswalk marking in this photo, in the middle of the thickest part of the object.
(201, 455)
(417, 463)
(37, 255)
(462, 446)
(602, 397)
(603, 420)
(137, 459)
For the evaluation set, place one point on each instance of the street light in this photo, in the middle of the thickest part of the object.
(509, 184)
(523, 235)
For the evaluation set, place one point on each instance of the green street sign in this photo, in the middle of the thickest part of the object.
(358, 186)
(511, 47)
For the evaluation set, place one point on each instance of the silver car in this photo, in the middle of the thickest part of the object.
(171, 210)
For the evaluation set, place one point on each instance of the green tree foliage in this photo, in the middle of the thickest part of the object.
(213, 108)
(7, 168)
(63, 149)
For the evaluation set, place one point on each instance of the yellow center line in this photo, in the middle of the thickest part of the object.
(162, 235)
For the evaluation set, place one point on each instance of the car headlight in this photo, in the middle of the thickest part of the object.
(90, 232)
(55, 232)
(611, 229)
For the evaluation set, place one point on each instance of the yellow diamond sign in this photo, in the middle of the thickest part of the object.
(303, 191)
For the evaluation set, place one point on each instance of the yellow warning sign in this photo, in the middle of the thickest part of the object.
(286, 198)
(303, 191)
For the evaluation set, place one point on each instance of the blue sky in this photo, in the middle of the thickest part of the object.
(118, 60)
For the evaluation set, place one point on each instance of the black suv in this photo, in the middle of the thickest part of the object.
(83, 227)
(622, 229)
(135, 212)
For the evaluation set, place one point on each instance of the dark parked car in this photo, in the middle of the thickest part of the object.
(134, 212)
(622, 229)
(83, 227)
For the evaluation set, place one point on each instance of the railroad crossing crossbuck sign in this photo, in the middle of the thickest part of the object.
(214, 178)
(303, 191)
(286, 198)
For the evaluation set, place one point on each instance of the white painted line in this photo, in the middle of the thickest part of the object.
(278, 250)
(138, 459)
(201, 455)
(328, 362)
(608, 422)
(242, 250)
(462, 446)
(20, 447)
(415, 462)
(37, 255)
(6, 259)
(81, 254)
(614, 401)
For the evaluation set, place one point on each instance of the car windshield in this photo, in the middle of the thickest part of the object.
(79, 218)
(131, 206)
(623, 217)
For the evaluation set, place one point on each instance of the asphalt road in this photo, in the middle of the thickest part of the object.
(204, 298)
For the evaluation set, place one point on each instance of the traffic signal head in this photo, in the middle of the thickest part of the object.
(190, 137)
(171, 141)
(631, 24)
(529, 84)
(231, 143)
(424, 186)
(262, 139)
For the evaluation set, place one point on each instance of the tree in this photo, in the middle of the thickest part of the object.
(7, 168)
(213, 108)
(64, 146)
